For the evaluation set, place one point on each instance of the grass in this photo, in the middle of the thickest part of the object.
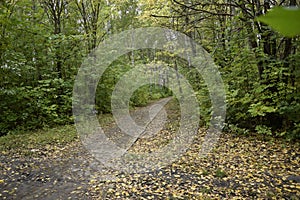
(105, 119)
(205, 173)
(220, 173)
(24, 141)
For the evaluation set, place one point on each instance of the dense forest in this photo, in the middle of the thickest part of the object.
(44, 42)
(61, 138)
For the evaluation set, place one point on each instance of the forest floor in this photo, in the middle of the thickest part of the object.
(53, 164)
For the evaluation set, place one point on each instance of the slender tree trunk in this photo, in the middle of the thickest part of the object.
(54, 10)
(178, 78)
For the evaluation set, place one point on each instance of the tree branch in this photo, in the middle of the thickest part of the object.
(201, 10)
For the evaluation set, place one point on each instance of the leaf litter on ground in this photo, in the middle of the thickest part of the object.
(53, 164)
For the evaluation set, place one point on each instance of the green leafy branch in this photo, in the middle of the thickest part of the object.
(285, 20)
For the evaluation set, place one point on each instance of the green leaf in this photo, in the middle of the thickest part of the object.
(285, 20)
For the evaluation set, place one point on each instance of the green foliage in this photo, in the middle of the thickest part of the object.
(110, 78)
(147, 93)
(107, 83)
(237, 130)
(284, 20)
(263, 130)
(220, 173)
(201, 91)
(269, 106)
(35, 91)
(28, 107)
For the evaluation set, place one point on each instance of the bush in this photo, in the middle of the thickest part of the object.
(27, 107)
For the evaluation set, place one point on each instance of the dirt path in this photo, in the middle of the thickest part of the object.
(61, 172)
(238, 168)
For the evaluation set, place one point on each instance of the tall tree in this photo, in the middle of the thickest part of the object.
(56, 10)
(94, 15)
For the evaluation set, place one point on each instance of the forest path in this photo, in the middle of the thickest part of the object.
(239, 167)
